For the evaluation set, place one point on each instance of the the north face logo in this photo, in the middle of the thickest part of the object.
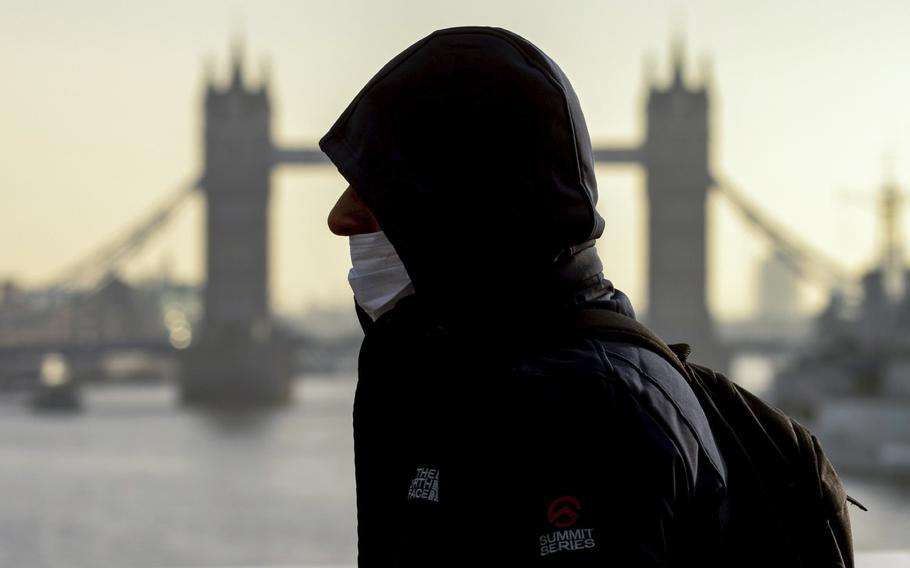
(425, 484)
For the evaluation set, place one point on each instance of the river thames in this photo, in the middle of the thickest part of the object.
(135, 481)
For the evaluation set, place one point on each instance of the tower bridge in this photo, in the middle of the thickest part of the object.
(240, 357)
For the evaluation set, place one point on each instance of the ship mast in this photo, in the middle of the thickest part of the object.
(891, 203)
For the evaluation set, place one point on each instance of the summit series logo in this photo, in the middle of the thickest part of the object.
(562, 513)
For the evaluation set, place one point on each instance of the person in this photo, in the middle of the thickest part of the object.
(487, 432)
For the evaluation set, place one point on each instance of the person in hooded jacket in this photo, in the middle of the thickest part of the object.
(486, 432)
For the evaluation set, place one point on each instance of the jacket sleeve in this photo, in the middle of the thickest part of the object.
(668, 513)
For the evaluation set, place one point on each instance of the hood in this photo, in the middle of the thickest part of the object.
(471, 150)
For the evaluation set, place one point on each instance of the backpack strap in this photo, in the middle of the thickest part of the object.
(618, 327)
(706, 383)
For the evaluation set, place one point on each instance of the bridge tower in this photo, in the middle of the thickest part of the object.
(675, 157)
(238, 359)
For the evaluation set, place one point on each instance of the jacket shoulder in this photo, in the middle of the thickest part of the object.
(611, 371)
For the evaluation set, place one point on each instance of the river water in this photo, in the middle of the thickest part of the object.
(135, 481)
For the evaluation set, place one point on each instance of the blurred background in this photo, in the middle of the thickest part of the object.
(177, 340)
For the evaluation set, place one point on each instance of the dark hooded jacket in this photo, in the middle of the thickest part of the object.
(485, 431)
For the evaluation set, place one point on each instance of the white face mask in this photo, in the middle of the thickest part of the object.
(378, 277)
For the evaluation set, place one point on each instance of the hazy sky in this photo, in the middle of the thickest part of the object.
(100, 118)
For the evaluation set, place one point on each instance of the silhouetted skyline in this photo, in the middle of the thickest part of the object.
(103, 105)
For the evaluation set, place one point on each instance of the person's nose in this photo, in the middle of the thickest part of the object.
(350, 216)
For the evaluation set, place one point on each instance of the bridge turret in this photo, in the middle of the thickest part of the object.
(676, 160)
(235, 359)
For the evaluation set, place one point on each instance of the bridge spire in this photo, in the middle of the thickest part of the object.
(678, 57)
(237, 52)
(209, 80)
(678, 50)
(649, 70)
(707, 71)
(265, 74)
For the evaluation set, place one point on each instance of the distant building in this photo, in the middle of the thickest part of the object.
(778, 290)
(115, 312)
(9, 292)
